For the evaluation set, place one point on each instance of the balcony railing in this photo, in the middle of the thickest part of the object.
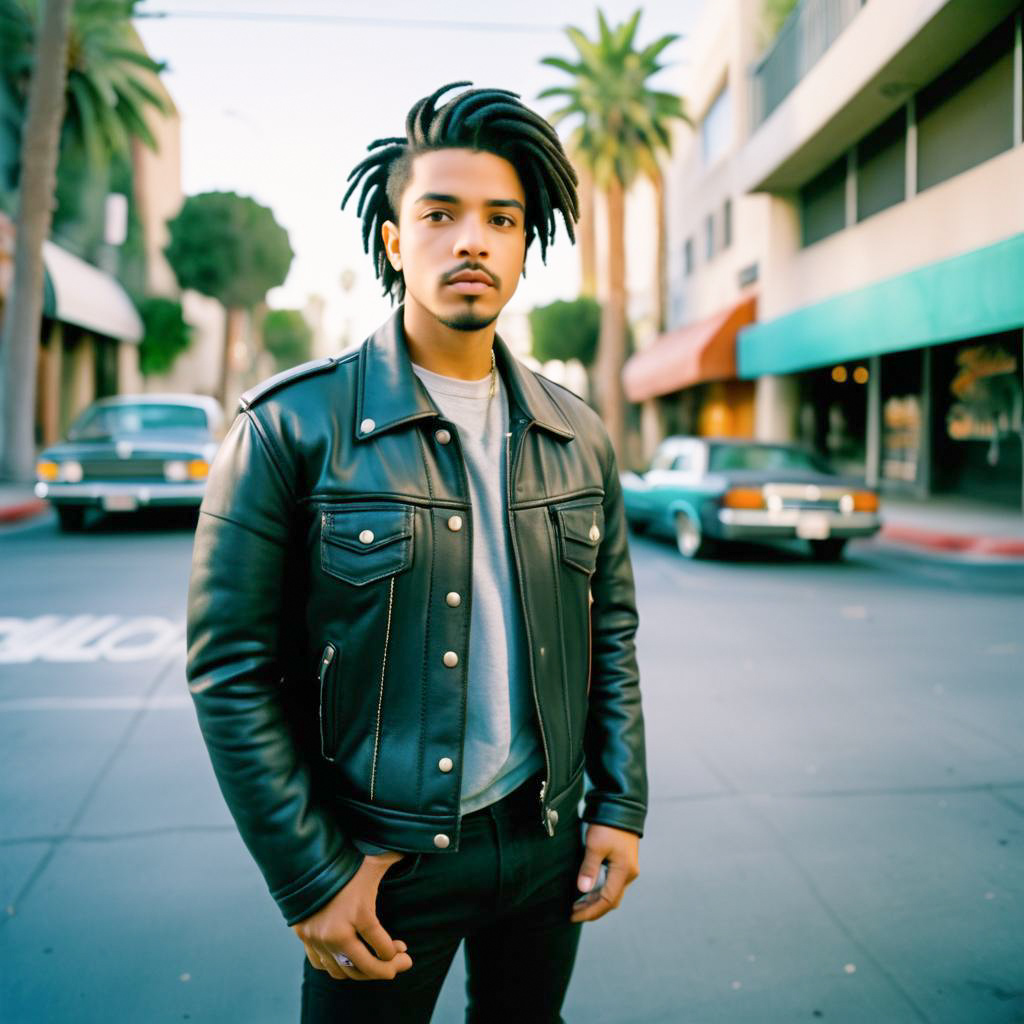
(807, 33)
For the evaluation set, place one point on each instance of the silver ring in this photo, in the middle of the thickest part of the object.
(343, 960)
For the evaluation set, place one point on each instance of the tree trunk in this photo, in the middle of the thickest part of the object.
(232, 331)
(611, 351)
(660, 256)
(586, 233)
(20, 340)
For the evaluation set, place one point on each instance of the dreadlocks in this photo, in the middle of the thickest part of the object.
(489, 120)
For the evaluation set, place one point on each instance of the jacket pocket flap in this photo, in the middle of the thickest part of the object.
(580, 532)
(366, 543)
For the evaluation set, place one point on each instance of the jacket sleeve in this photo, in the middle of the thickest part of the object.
(614, 739)
(236, 605)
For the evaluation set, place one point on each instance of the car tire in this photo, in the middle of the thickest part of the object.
(830, 550)
(690, 539)
(71, 518)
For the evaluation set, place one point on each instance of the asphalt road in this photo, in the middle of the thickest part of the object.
(836, 829)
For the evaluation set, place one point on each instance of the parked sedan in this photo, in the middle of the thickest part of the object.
(130, 451)
(702, 491)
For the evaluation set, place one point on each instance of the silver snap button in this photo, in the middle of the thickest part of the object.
(441, 841)
(446, 764)
(451, 659)
(452, 599)
(455, 523)
(595, 534)
(442, 436)
(366, 536)
(552, 818)
(367, 426)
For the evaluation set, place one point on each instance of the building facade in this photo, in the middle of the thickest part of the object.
(874, 177)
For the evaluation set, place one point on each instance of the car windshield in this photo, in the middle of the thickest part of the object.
(109, 420)
(764, 458)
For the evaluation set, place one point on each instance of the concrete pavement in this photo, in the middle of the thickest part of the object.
(836, 758)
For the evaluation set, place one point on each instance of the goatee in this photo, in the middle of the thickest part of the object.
(467, 321)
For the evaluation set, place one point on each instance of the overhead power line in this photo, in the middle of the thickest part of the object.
(344, 19)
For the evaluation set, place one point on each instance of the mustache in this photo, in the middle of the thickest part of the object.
(471, 265)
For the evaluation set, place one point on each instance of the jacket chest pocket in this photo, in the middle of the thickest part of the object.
(580, 529)
(366, 542)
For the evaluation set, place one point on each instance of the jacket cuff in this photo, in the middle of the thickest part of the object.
(300, 901)
(616, 812)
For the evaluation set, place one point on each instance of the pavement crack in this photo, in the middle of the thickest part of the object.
(109, 837)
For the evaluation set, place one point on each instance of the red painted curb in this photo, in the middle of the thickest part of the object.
(1005, 547)
(23, 510)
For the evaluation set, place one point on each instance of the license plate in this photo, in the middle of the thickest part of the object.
(120, 502)
(813, 528)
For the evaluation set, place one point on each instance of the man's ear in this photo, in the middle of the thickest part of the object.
(389, 233)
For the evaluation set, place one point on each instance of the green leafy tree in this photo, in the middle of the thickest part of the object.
(773, 16)
(566, 330)
(287, 337)
(167, 335)
(230, 248)
(622, 126)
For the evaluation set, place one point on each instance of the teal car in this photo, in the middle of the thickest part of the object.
(702, 492)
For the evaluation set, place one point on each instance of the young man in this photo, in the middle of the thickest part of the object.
(411, 613)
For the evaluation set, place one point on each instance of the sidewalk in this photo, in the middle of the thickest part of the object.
(953, 525)
(18, 502)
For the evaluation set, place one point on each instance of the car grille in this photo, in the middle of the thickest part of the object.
(123, 469)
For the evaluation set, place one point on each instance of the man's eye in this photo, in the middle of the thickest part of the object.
(505, 221)
(436, 216)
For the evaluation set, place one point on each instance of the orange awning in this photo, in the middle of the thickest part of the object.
(698, 352)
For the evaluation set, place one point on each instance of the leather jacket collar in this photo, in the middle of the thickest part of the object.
(389, 393)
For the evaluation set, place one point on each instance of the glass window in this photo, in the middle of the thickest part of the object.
(709, 236)
(823, 203)
(882, 167)
(727, 224)
(763, 458)
(688, 257)
(966, 115)
(716, 128)
(108, 420)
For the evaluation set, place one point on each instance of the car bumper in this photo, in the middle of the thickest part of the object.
(753, 524)
(122, 496)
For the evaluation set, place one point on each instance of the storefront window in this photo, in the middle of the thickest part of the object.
(901, 389)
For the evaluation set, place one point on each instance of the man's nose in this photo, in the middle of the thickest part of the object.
(471, 241)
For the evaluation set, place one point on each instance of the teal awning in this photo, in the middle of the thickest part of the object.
(980, 292)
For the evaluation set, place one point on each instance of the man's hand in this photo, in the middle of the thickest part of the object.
(349, 925)
(621, 850)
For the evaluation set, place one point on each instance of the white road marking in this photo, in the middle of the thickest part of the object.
(89, 638)
(172, 703)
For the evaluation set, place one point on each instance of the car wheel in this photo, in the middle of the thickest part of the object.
(830, 550)
(690, 538)
(71, 518)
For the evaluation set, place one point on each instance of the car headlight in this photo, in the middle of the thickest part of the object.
(46, 469)
(175, 471)
(71, 471)
(198, 469)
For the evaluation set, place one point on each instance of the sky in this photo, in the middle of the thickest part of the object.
(279, 100)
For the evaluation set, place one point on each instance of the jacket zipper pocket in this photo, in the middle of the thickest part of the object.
(328, 703)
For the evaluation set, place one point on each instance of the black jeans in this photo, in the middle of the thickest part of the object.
(508, 892)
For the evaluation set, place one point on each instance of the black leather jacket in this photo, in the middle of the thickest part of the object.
(329, 608)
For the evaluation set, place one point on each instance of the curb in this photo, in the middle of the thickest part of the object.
(957, 543)
(23, 510)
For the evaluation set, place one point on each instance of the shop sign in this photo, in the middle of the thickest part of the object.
(988, 388)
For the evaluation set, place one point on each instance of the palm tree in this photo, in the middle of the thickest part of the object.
(25, 304)
(623, 126)
(76, 69)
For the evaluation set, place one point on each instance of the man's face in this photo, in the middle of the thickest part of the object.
(461, 238)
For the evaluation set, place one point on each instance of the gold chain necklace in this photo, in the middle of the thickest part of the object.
(494, 377)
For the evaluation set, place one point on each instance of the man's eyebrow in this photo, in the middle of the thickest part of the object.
(440, 197)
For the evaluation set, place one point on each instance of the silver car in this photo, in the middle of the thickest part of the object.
(131, 451)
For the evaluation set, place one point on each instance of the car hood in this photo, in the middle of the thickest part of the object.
(758, 478)
(191, 443)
